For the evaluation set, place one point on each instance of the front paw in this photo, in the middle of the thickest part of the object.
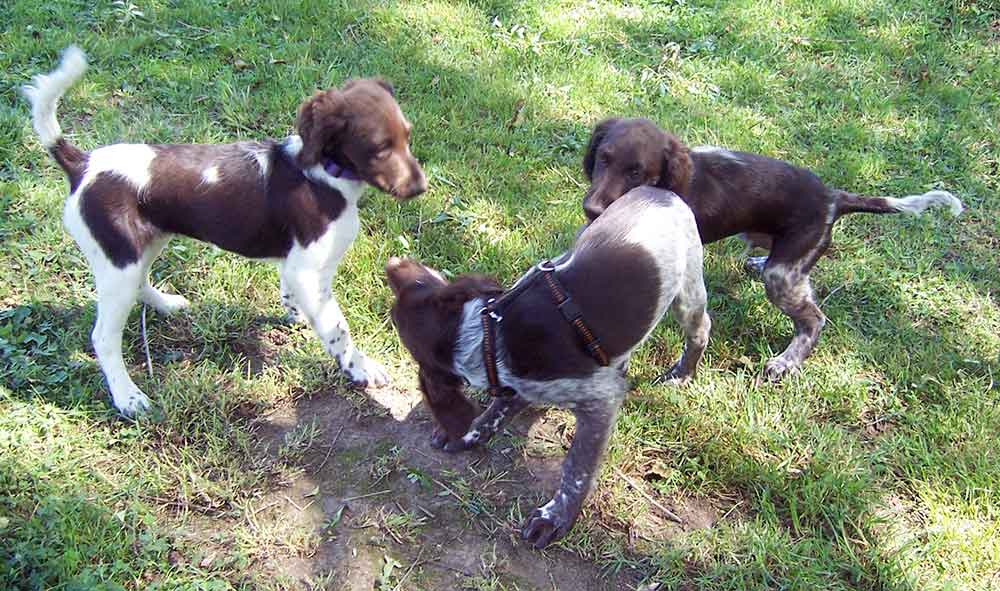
(131, 404)
(464, 443)
(755, 265)
(441, 440)
(439, 437)
(777, 368)
(363, 371)
(676, 375)
(547, 524)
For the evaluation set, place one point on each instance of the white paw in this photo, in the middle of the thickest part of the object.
(171, 303)
(132, 404)
(294, 316)
(362, 370)
(778, 367)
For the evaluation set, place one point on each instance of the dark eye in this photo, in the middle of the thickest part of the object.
(634, 172)
(383, 151)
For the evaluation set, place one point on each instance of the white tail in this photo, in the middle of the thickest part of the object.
(46, 90)
(916, 204)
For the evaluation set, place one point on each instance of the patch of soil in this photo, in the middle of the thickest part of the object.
(373, 504)
(261, 347)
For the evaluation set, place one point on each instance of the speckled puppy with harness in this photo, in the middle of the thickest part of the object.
(561, 335)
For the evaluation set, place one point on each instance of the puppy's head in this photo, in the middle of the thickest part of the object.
(626, 153)
(428, 308)
(361, 128)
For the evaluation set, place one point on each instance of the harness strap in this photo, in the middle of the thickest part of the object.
(566, 306)
(488, 316)
(572, 313)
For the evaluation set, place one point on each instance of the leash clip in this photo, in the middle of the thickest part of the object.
(490, 311)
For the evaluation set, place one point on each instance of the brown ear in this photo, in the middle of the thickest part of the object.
(596, 137)
(677, 166)
(384, 84)
(319, 122)
(465, 288)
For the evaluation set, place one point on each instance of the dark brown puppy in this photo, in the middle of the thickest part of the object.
(774, 204)
(640, 258)
(292, 201)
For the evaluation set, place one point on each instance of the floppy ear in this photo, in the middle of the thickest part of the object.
(386, 85)
(596, 137)
(465, 288)
(677, 166)
(320, 120)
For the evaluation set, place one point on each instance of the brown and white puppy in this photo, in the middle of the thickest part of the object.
(641, 257)
(293, 202)
(772, 203)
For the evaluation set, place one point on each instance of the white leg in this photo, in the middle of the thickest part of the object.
(164, 303)
(117, 290)
(310, 290)
(292, 311)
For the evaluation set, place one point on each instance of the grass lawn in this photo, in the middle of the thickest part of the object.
(877, 467)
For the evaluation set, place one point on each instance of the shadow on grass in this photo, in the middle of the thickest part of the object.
(47, 349)
(55, 536)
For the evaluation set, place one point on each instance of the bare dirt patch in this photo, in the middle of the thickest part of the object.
(370, 505)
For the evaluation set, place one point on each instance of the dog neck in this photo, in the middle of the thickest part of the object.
(338, 171)
(468, 354)
(329, 173)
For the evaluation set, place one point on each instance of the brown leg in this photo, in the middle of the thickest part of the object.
(452, 411)
(595, 419)
(486, 425)
(786, 280)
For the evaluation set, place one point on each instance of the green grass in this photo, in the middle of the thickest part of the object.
(875, 468)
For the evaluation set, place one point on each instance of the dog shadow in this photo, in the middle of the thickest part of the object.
(48, 354)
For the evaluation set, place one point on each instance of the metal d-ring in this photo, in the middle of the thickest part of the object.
(488, 309)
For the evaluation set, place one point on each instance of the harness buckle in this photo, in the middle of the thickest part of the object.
(546, 267)
(489, 310)
(569, 309)
(595, 348)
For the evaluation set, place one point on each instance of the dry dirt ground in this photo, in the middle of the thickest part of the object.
(374, 507)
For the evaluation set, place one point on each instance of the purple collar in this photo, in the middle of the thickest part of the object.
(340, 172)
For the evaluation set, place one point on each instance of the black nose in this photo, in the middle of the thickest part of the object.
(417, 184)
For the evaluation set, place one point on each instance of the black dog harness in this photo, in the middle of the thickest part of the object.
(491, 316)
